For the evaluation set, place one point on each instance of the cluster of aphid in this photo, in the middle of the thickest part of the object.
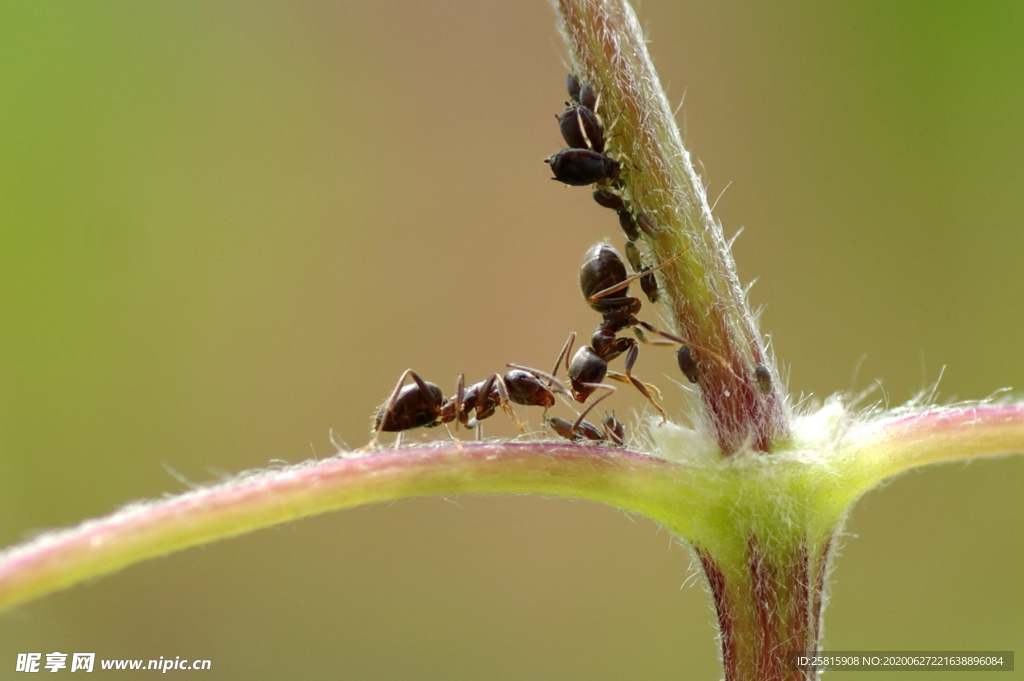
(604, 273)
(605, 284)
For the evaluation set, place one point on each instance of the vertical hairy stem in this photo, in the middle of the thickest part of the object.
(768, 604)
(703, 293)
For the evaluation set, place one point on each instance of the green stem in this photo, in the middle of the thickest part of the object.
(898, 441)
(146, 530)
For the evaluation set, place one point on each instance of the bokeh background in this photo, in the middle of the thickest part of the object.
(226, 228)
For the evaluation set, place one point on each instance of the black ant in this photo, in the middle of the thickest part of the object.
(611, 429)
(423, 405)
(602, 274)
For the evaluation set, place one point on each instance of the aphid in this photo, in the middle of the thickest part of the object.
(572, 85)
(576, 431)
(581, 129)
(687, 364)
(611, 429)
(649, 284)
(628, 224)
(609, 199)
(633, 256)
(647, 225)
(588, 97)
(580, 167)
(764, 379)
(614, 430)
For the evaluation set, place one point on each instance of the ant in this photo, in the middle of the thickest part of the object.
(602, 274)
(611, 429)
(421, 404)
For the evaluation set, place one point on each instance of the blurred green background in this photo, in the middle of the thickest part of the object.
(226, 228)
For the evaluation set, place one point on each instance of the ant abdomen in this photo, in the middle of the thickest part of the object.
(602, 269)
(525, 388)
(420, 405)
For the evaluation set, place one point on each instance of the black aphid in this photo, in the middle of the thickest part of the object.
(609, 199)
(580, 167)
(764, 379)
(687, 364)
(581, 129)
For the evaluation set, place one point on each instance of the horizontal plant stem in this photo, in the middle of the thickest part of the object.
(144, 530)
(889, 446)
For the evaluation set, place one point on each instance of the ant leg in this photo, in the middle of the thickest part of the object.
(634, 352)
(460, 400)
(579, 420)
(390, 405)
(506, 403)
(647, 341)
(714, 355)
(483, 396)
(622, 378)
(566, 351)
(636, 277)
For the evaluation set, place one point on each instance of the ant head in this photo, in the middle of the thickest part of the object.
(586, 369)
(602, 269)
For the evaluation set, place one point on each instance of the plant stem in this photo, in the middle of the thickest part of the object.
(703, 292)
(145, 530)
